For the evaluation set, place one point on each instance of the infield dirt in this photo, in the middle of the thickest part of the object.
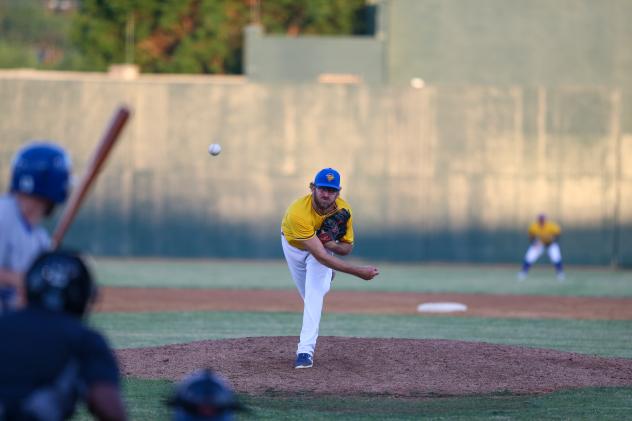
(479, 305)
(365, 366)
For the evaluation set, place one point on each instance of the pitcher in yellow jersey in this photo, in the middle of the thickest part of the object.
(311, 262)
(543, 235)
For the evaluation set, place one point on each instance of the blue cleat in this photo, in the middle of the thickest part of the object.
(303, 360)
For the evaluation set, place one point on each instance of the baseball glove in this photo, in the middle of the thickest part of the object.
(334, 227)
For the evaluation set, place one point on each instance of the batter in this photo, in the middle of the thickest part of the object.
(40, 180)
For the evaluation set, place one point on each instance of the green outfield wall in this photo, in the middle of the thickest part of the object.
(508, 42)
(499, 43)
(448, 174)
(282, 59)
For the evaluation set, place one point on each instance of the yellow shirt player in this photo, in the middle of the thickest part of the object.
(302, 221)
(543, 235)
(544, 231)
(312, 260)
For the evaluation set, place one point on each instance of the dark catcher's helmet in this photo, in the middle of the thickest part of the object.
(60, 281)
(203, 396)
(42, 169)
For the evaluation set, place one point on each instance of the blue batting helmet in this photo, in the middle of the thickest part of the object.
(203, 396)
(42, 169)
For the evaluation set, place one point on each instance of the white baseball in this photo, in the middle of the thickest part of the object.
(214, 149)
(417, 83)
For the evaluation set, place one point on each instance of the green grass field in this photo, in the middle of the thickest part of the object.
(598, 337)
(243, 274)
(579, 404)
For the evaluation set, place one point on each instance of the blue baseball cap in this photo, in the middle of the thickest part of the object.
(327, 177)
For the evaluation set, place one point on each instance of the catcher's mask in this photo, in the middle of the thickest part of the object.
(60, 281)
(201, 396)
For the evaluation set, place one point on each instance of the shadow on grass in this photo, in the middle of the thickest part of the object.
(145, 401)
(590, 403)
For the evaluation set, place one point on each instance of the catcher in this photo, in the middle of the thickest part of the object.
(315, 228)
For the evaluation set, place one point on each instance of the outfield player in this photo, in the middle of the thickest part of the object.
(40, 180)
(543, 235)
(311, 262)
(50, 358)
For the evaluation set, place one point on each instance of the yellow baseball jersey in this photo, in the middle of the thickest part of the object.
(301, 221)
(545, 233)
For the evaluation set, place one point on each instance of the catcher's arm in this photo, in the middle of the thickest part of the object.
(316, 248)
(10, 279)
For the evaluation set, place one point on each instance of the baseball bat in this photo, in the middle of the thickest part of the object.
(109, 138)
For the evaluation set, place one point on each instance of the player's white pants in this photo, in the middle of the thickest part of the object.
(313, 281)
(536, 249)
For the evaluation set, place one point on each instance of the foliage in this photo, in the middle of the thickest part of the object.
(17, 55)
(197, 36)
(161, 36)
(32, 36)
(28, 21)
(326, 17)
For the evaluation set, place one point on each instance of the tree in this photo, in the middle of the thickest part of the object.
(197, 36)
(32, 35)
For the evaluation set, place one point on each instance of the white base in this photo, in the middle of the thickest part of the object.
(441, 307)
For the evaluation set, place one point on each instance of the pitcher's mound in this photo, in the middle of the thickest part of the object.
(395, 367)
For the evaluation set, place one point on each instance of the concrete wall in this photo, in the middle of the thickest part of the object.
(508, 42)
(463, 42)
(452, 174)
(282, 59)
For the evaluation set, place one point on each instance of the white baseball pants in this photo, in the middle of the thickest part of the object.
(536, 249)
(313, 281)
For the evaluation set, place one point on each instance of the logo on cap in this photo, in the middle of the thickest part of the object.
(327, 177)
